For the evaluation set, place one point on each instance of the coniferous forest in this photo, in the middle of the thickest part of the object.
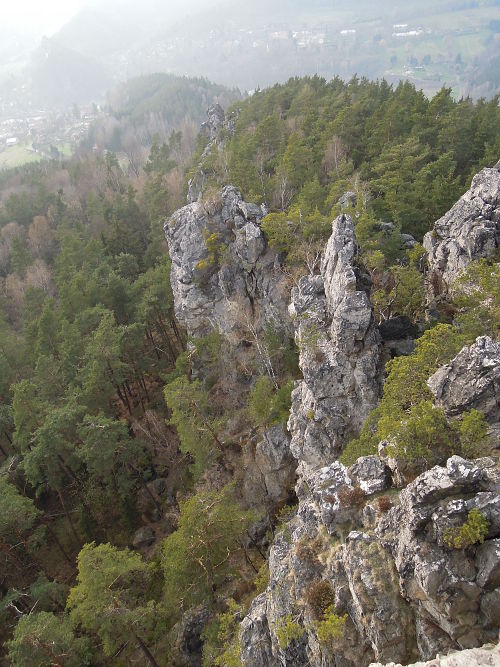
(122, 439)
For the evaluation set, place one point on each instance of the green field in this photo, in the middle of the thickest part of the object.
(15, 156)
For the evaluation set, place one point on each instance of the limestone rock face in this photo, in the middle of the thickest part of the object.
(405, 592)
(486, 656)
(470, 380)
(469, 231)
(380, 551)
(186, 641)
(275, 461)
(339, 353)
(255, 639)
(223, 275)
(270, 468)
(216, 120)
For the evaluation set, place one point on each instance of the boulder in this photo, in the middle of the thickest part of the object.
(371, 473)
(469, 231)
(349, 198)
(470, 380)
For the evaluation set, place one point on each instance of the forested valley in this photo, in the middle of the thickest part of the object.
(121, 437)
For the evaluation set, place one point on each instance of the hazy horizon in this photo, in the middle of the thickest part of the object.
(37, 17)
(50, 16)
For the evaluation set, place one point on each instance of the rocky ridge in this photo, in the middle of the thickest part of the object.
(216, 121)
(226, 278)
(376, 551)
(470, 230)
(223, 274)
(339, 352)
(488, 656)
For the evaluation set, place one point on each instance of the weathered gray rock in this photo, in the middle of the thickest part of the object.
(371, 473)
(339, 353)
(186, 642)
(487, 656)
(237, 287)
(488, 564)
(404, 592)
(143, 537)
(470, 380)
(444, 585)
(270, 468)
(255, 639)
(216, 120)
(469, 231)
(349, 198)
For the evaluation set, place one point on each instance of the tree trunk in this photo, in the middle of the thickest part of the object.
(177, 333)
(70, 520)
(147, 653)
(145, 487)
(56, 540)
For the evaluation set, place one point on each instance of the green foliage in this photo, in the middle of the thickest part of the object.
(228, 636)
(196, 559)
(405, 410)
(109, 454)
(331, 628)
(215, 251)
(267, 405)
(259, 400)
(110, 597)
(43, 639)
(17, 513)
(473, 434)
(477, 294)
(222, 645)
(473, 531)
(423, 434)
(193, 416)
(261, 581)
(288, 630)
(298, 234)
(48, 595)
(406, 296)
(306, 142)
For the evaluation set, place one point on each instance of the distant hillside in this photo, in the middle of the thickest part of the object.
(172, 96)
(155, 106)
(260, 43)
(61, 76)
(251, 45)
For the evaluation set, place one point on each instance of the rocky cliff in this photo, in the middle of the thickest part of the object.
(376, 553)
(372, 554)
(223, 274)
(470, 230)
(225, 278)
(339, 352)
